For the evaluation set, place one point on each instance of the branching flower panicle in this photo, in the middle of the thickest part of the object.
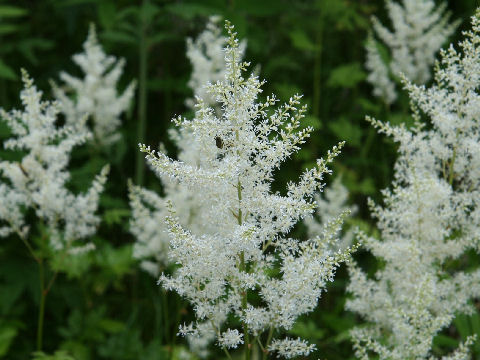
(95, 95)
(38, 180)
(429, 218)
(330, 207)
(419, 29)
(222, 268)
(208, 60)
(149, 210)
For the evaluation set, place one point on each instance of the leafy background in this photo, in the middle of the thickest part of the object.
(102, 306)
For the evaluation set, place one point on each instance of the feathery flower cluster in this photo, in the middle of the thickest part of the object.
(38, 180)
(290, 348)
(95, 95)
(149, 210)
(208, 60)
(247, 250)
(430, 218)
(329, 207)
(420, 28)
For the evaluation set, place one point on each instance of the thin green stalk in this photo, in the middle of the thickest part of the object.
(169, 339)
(142, 95)
(41, 313)
(244, 308)
(3, 93)
(317, 72)
(452, 163)
(159, 317)
(243, 268)
(226, 352)
(269, 339)
(178, 306)
(29, 247)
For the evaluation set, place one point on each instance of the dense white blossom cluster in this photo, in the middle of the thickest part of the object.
(148, 209)
(419, 29)
(430, 218)
(38, 181)
(330, 206)
(208, 60)
(95, 95)
(246, 250)
(290, 348)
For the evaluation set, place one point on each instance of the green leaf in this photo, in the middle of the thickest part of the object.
(58, 355)
(445, 341)
(301, 41)
(12, 11)
(313, 121)
(116, 216)
(346, 130)
(119, 37)
(158, 38)
(111, 326)
(308, 330)
(397, 119)
(189, 11)
(463, 325)
(7, 334)
(28, 47)
(6, 72)
(346, 76)
(116, 261)
(6, 29)
(106, 13)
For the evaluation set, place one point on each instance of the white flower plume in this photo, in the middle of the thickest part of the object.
(419, 29)
(246, 250)
(430, 218)
(95, 95)
(38, 181)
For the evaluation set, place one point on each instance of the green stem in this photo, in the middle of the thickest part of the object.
(226, 353)
(317, 72)
(142, 95)
(41, 313)
(244, 309)
(166, 319)
(3, 93)
(243, 268)
(269, 339)
(29, 247)
(452, 163)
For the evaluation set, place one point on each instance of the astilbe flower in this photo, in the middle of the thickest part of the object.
(148, 209)
(430, 218)
(419, 29)
(330, 206)
(208, 60)
(249, 251)
(38, 181)
(95, 95)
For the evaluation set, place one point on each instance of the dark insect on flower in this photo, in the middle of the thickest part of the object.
(23, 169)
(219, 142)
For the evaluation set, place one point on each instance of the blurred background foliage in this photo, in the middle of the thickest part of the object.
(103, 306)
